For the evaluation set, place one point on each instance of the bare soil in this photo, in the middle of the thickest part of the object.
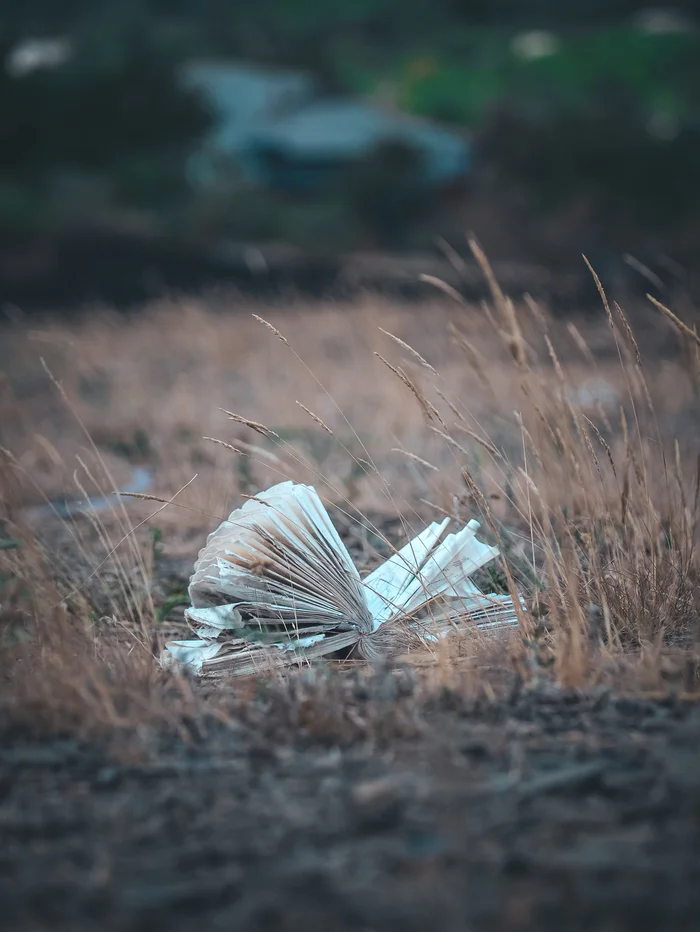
(360, 807)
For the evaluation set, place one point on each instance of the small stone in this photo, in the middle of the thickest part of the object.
(107, 777)
(379, 802)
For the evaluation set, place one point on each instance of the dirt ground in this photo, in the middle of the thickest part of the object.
(541, 810)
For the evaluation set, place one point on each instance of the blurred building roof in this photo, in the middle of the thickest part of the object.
(338, 128)
(243, 98)
(260, 110)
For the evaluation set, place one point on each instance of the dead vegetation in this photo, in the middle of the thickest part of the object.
(576, 445)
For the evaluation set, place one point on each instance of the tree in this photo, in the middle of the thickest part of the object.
(115, 104)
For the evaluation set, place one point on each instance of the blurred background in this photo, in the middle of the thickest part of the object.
(166, 144)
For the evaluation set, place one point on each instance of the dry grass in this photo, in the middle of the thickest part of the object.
(576, 444)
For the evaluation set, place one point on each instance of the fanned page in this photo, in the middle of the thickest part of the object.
(236, 657)
(391, 585)
(430, 576)
(278, 568)
(275, 585)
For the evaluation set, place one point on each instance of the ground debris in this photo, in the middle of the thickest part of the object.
(535, 812)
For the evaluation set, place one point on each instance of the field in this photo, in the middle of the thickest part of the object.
(544, 780)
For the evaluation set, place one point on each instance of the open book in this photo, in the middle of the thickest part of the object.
(275, 585)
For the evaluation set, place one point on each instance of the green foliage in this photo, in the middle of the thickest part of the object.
(173, 600)
(21, 207)
(239, 211)
(115, 107)
(156, 543)
(607, 154)
(481, 71)
(116, 94)
(386, 192)
(655, 70)
(612, 109)
(614, 113)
